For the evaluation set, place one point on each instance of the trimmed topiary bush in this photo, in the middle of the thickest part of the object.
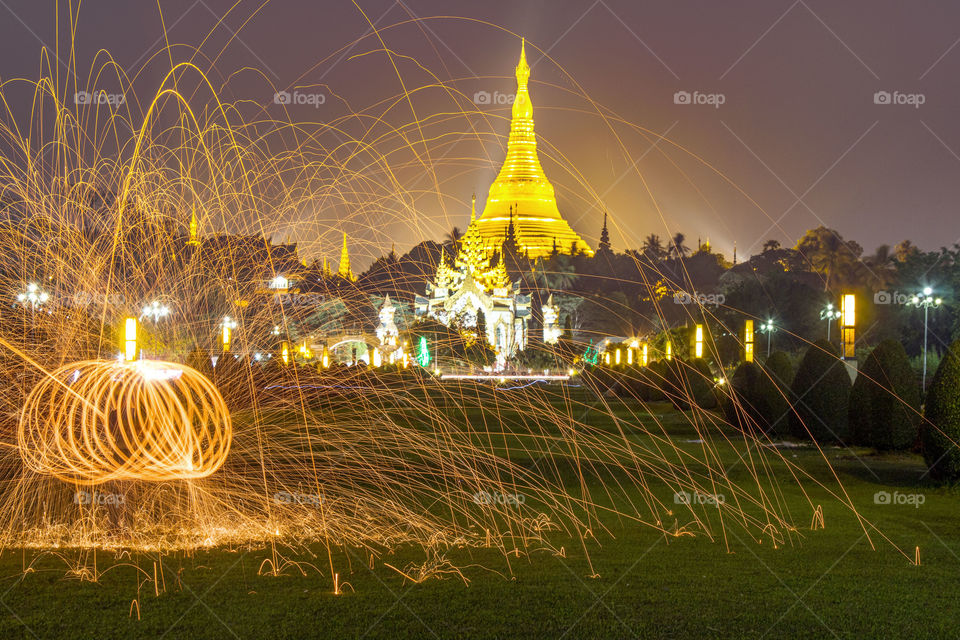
(885, 400)
(690, 383)
(760, 392)
(940, 435)
(821, 395)
(655, 380)
(775, 392)
(743, 402)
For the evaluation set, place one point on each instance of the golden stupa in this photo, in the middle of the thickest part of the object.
(522, 191)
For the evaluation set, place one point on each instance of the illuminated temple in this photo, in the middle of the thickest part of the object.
(478, 283)
(523, 189)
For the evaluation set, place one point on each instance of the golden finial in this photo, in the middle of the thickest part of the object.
(523, 69)
(473, 209)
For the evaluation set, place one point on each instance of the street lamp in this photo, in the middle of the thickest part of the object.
(925, 300)
(830, 313)
(768, 328)
(156, 311)
(34, 296)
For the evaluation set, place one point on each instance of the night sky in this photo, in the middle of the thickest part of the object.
(798, 133)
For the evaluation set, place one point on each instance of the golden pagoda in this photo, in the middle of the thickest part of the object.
(522, 187)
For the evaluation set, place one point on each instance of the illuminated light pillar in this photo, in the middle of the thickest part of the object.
(629, 355)
(325, 359)
(130, 339)
(285, 352)
(669, 351)
(698, 342)
(606, 357)
(748, 341)
(617, 356)
(644, 358)
(227, 333)
(848, 323)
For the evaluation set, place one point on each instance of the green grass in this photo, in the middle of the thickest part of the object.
(633, 583)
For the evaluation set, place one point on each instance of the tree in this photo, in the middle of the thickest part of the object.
(652, 248)
(779, 372)
(882, 267)
(453, 237)
(940, 434)
(828, 253)
(885, 400)
(677, 247)
(821, 395)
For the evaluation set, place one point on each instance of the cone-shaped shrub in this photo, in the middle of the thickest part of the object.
(690, 383)
(758, 393)
(821, 395)
(940, 435)
(776, 392)
(885, 400)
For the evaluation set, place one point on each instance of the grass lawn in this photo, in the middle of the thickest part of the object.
(635, 582)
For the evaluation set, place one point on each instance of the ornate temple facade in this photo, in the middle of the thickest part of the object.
(477, 283)
(522, 194)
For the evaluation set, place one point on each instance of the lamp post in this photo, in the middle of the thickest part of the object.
(34, 296)
(829, 313)
(156, 311)
(925, 300)
(768, 328)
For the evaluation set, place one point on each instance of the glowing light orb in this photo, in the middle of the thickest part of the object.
(95, 421)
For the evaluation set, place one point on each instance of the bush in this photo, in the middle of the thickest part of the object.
(690, 383)
(776, 393)
(940, 435)
(759, 393)
(654, 381)
(885, 400)
(821, 395)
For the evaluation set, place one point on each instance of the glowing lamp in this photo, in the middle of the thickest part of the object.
(285, 352)
(698, 341)
(748, 341)
(848, 322)
(644, 357)
(130, 339)
(669, 351)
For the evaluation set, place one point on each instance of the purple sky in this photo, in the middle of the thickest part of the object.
(798, 131)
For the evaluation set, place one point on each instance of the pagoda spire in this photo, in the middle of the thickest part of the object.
(344, 270)
(194, 228)
(473, 209)
(604, 236)
(521, 179)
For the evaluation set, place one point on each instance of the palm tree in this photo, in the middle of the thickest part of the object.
(653, 248)
(882, 266)
(454, 236)
(828, 253)
(677, 249)
(771, 245)
(556, 275)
